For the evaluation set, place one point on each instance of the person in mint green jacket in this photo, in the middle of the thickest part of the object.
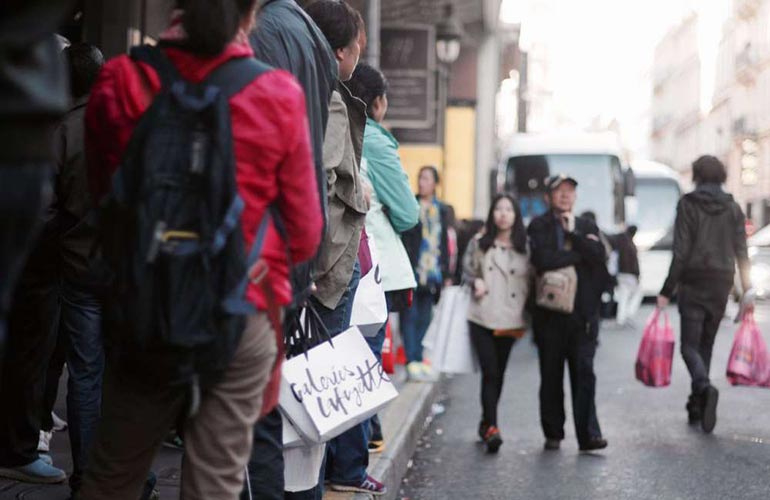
(393, 208)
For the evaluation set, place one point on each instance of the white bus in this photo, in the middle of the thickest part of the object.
(653, 210)
(593, 159)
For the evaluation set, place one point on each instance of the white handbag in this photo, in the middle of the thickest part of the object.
(370, 310)
(333, 386)
(448, 339)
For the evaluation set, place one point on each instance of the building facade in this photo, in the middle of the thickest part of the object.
(736, 125)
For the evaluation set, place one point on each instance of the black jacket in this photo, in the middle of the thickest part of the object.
(628, 255)
(709, 236)
(78, 234)
(587, 255)
(412, 240)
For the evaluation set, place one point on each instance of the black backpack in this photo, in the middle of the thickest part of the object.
(171, 236)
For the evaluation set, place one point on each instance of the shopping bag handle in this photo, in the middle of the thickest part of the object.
(655, 318)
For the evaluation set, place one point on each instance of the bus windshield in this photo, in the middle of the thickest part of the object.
(597, 176)
(657, 200)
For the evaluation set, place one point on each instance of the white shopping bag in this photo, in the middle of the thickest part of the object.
(333, 387)
(291, 438)
(370, 311)
(448, 340)
(302, 466)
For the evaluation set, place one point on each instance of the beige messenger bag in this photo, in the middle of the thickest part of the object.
(556, 290)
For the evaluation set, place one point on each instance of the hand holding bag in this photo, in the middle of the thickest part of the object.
(656, 352)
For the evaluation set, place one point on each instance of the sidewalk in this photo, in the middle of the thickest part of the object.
(402, 424)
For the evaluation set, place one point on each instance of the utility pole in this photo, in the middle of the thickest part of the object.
(372, 18)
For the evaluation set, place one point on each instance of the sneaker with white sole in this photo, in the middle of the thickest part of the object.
(415, 372)
(44, 442)
(369, 485)
(37, 472)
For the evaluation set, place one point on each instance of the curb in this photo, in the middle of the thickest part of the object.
(403, 422)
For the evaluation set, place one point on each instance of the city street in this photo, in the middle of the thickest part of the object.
(653, 453)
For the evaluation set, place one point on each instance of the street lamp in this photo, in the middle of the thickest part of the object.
(449, 33)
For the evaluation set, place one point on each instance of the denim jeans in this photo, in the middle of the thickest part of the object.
(415, 322)
(342, 461)
(80, 323)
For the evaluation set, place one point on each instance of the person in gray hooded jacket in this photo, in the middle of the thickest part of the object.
(709, 237)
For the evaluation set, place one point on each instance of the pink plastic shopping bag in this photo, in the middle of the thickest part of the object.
(656, 352)
(749, 362)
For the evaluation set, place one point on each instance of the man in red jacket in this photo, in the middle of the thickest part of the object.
(274, 166)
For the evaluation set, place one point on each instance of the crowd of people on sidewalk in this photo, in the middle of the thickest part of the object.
(190, 196)
(242, 132)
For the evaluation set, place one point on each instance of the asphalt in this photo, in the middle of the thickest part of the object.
(653, 452)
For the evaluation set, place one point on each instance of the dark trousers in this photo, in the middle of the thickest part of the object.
(31, 342)
(79, 343)
(24, 191)
(567, 338)
(266, 462)
(701, 310)
(493, 353)
(414, 324)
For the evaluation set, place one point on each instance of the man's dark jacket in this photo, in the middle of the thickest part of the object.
(709, 235)
(587, 255)
(73, 199)
(287, 38)
(628, 255)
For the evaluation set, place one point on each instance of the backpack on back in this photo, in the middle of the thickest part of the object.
(170, 232)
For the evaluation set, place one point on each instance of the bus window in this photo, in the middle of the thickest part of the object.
(596, 175)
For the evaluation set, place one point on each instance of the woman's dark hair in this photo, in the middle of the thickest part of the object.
(339, 22)
(433, 170)
(211, 24)
(708, 169)
(84, 62)
(518, 232)
(368, 83)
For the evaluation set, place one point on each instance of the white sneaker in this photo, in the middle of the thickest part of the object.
(429, 372)
(44, 443)
(415, 372)
(59, 424)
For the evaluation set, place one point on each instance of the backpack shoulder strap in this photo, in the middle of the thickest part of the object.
(154, 56)
(233, 75)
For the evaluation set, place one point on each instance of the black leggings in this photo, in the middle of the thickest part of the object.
(493, 355)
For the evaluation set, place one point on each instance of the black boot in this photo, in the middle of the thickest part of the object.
(693, 407)
(710, 398)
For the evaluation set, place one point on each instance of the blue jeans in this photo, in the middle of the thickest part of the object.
(344, 462)
(415, 322)
(81, 324)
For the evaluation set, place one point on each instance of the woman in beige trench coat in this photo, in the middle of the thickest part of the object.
(497, 267)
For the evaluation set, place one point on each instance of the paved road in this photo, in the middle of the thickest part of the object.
(653, 453)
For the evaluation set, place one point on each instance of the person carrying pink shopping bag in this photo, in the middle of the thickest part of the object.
(656, 352)
(749, 362)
